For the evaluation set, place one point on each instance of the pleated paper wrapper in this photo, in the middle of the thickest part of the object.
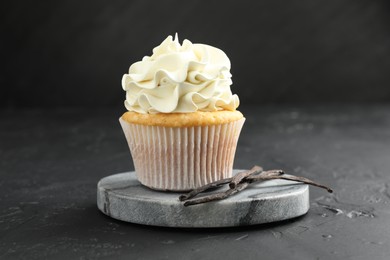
(182, 158)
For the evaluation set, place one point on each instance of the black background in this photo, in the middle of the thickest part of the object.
(62, 63)
(74, 53)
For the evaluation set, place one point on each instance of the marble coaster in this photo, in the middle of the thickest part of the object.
(121, 196)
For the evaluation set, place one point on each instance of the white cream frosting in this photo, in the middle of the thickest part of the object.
(180, 79)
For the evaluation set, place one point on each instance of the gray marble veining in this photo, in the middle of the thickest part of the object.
(122, 197)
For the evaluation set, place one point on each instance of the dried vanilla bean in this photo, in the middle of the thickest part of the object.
(236, 179)
(217, 196)
(206, 187)
(240, 182)
(242, 175)
(290, 178)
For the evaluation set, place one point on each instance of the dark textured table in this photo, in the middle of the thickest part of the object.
(51, 160)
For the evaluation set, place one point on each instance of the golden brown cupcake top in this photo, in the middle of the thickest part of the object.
(198, 118)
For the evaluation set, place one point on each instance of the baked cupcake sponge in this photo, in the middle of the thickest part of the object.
(198, 118)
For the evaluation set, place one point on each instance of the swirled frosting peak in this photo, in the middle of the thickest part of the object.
(180, 79)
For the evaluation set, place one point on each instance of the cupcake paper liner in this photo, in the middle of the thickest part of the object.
(182, 158)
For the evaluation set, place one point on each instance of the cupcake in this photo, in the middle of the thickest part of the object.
(182, 125)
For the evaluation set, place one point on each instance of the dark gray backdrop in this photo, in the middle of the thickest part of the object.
(74, 53)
